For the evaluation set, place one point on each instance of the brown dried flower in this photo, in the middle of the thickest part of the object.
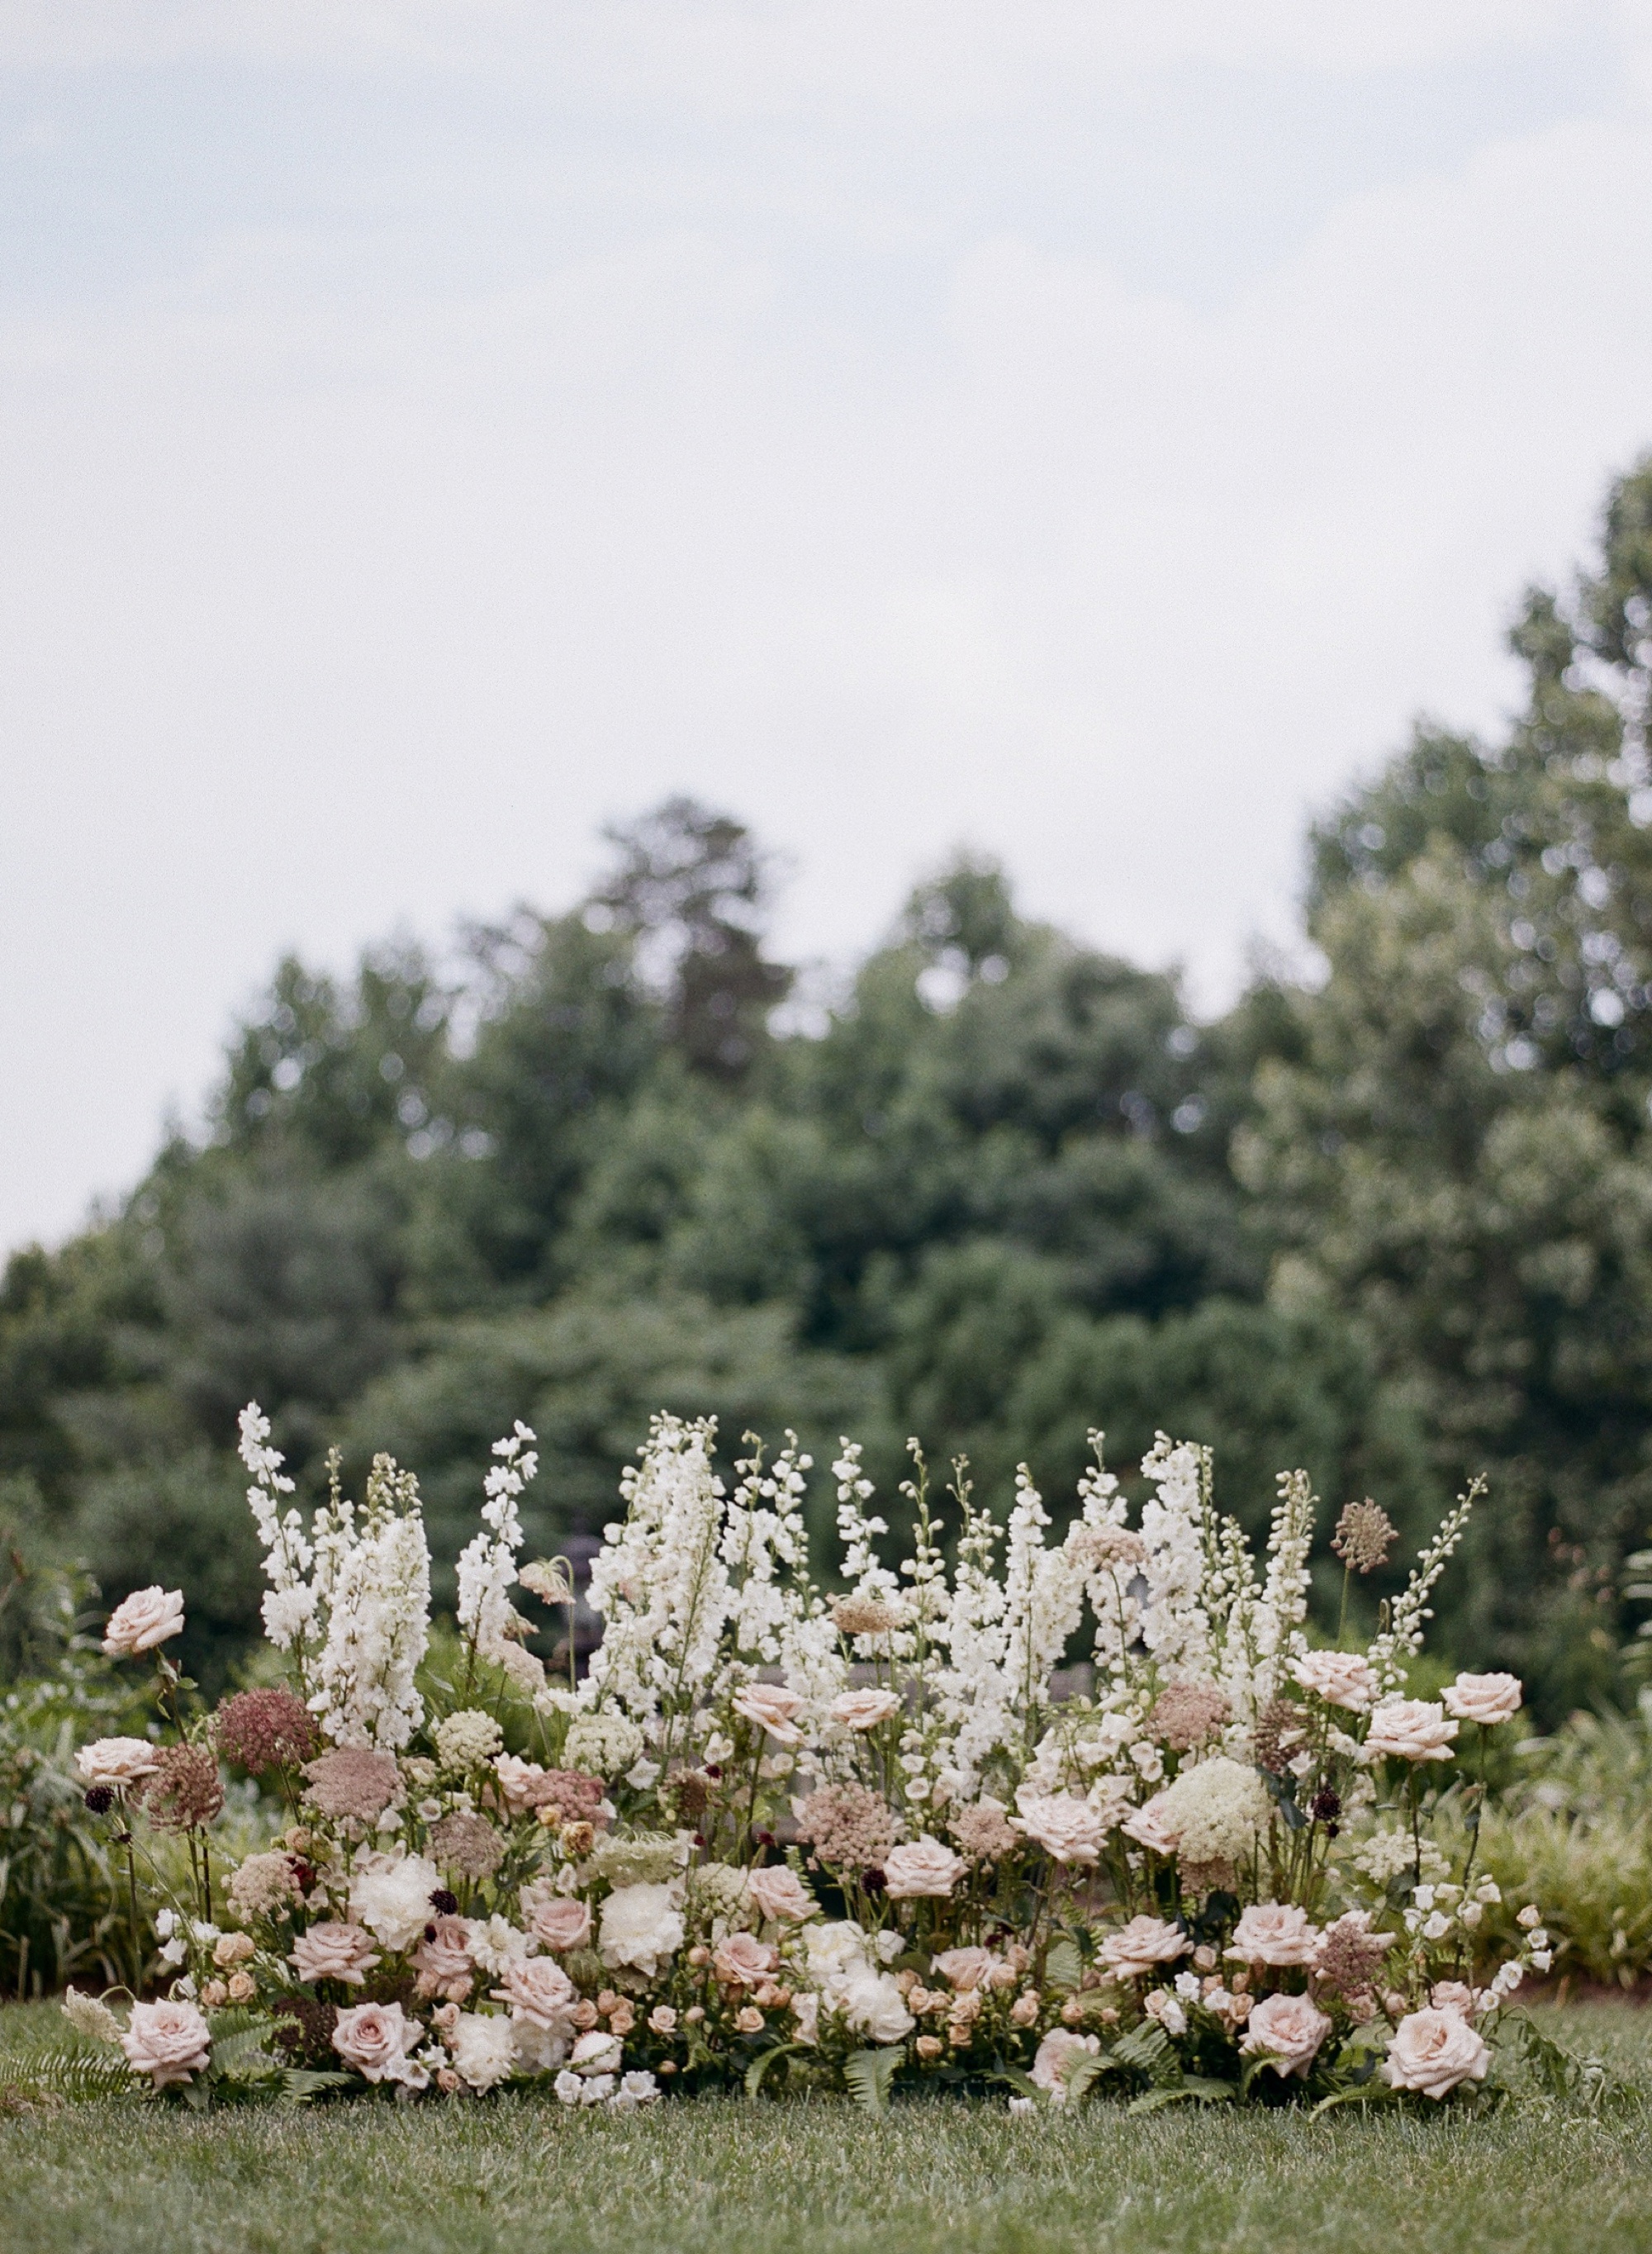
(862, 1616)
(1364, 1536)
(1187, 1714)
(691, 1792)
(468, 1845)
(259, 1730)
(184, 1789)
(353, 1781)
(1279, 1735)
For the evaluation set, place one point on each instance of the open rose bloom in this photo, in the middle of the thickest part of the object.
(770, 1827)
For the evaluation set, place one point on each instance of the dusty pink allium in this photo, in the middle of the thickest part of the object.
(982, 1830)
(575, 1796)
(849, 1828)
(353, 1781)
(1364, 1534)
(862, 1616)
(1187, 1714)
(468, 1845)
(265, 1886)
(1349, 1954)
(260, 1730)
(184, 1789)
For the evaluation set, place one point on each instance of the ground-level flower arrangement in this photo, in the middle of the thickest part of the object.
(776, 1839)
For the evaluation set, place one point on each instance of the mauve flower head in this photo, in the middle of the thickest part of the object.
(1364, 1534)
(260, 1730)
(849, 1828)
(184, 1790)
(468, 1845)
(1187, 1714)
(352, 1780)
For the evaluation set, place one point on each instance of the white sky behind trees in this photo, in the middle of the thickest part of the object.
(1086, 431)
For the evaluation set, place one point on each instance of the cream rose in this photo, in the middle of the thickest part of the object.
(1137, 1948)
(558, 1923)
(1411, 1729)
(1274, 1933)
(537, 1989)
(1055, 2058)
(521, 1783)
(1287, 2032)
(781, 1894)
(864, 1709)
(771, 1709)
(170, 2042)
(115, 1760)
(1484, 1698)
(1433, 2051)
(334, 1950)
(872, 2003)
(742, 1961)
(141, 1621)
(921, 1868)
(1066, 1828)
(642, 1927)
(1341, 1678)
(376, 2039)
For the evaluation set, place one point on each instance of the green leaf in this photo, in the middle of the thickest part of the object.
(68, 2071)
(869, 2073)
(1197, 2087)
(1147, 2050)
(762, 2062)
(1369, 2092)
(1082, 2071)
(1022, 2084)
(1063, 1967)
(299, 2084)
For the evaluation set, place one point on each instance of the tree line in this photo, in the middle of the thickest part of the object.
(1395, 1225)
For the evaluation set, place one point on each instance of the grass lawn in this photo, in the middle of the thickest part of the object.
(722, 2177)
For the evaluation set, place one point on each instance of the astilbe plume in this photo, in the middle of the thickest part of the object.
(983, 1831)
(261, 1730)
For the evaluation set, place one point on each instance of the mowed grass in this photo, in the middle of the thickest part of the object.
(722, 2177)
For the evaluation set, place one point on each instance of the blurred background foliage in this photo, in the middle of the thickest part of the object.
(1393, 1224)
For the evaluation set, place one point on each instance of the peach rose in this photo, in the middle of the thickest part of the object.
(115, 1760)
(1341, 1678)
(771, 1709)
(1411, 1729)
(375, 2040)
(1454, 1996)
(559, 1923)
(538, 1991)
(864, 1709)
(1274, 1933)
(1484, 1698)
(743, 1960)
(170, 2042)
(964, 1969)
(1286, 2031)
(780, 1893)
(921, 1868)
(1433, 2051)
(141, 1621)
(1066, 1828)
(1137, 1948)
(334, 1950)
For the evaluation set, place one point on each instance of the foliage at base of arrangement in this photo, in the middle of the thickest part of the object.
(775, 1840)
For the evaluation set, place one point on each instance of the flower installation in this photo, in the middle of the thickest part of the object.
(776, 1839)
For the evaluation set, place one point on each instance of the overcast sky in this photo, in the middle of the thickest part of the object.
(1089, 432)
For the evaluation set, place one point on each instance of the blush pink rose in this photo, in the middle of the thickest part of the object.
(964, 1969)
(559, 1922)
(539, 1991)
(521, 1783)
(170, 2042)
(1341, 1678)
(376, 2039)
(1286, 2031)
(334, 1950)
(141, 1621)
(1150, 1827)
(744, 1961)
(116, 1760)
(922, 1868)
(864, 1709)
(1066, 1827)
(1484, 1698)
(1411, 1729)
(1433, 2052)
(780, 1893)
(771, 1709)
(1274, 1933)
(1139, 1947)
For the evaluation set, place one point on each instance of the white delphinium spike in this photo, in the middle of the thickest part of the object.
(868, 1579)
(487, 1568)
(973, 1688)
(1044, 1597)
(1403, 1636)
(1175, 1522)
(290, 1606)
(378, 1614)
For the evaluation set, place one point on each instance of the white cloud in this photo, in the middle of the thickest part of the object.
(336, 596)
